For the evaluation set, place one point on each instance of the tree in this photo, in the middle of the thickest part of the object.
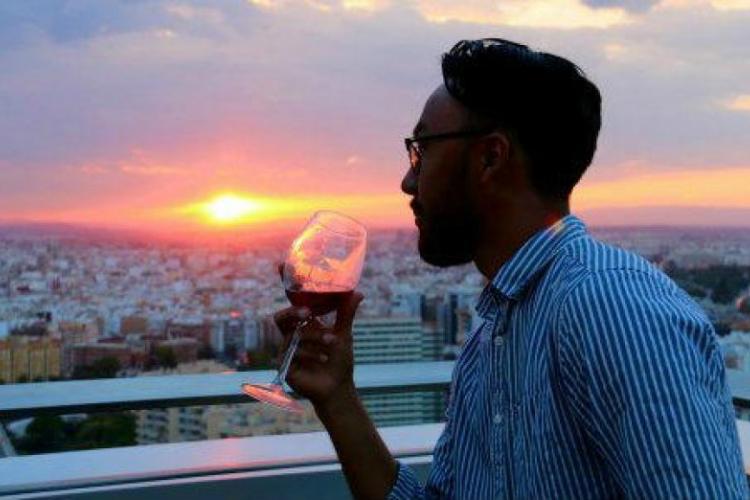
(49, 434)
(258, 360)
(721, 328)
(165, 357)
(43, 435)
(106, 367)
(206, 352)
(38, 329)
(231, 352)
(723, 292)
(105, 431)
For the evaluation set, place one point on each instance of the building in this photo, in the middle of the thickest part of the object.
(195, 423)
(185, 350)
(736, 350)
(133, 325)
(387, 340)
(77, 332)
(193, 329)
(27, 358)
(406, 301)
(457, 314)
(86, 354)
(236, 334)
(397, 340)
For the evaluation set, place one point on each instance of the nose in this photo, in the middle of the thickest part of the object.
(409, 182)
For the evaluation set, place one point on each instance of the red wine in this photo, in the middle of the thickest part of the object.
(318, 302)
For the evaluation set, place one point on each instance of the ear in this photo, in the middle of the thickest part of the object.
(496, 151)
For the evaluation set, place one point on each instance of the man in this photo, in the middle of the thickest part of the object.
(592, 375)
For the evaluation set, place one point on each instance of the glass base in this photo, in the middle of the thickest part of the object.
(274, 395)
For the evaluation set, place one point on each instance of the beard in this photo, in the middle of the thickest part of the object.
(448, 239)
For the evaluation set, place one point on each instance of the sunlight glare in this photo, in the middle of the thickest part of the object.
(230, 208)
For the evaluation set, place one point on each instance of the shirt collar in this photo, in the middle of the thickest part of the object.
(516, 274)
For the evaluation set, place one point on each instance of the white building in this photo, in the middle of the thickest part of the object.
(458, 315)
(406, 301)
(396, 340)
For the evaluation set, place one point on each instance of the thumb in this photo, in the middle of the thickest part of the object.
(346, 312)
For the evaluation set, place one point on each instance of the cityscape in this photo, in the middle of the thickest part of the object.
(82, 307)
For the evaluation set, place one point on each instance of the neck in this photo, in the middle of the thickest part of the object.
(504, 236)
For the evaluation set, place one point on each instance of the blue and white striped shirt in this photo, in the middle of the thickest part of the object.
(592, 376)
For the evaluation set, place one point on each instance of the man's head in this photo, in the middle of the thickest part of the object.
(512, 125)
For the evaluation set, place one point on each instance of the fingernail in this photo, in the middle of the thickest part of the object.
(329, 338)
(323, 358)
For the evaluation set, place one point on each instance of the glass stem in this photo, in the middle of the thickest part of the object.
(289, 355)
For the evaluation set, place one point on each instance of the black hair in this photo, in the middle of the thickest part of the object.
(544, 101)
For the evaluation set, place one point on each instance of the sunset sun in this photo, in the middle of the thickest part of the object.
(230, 208)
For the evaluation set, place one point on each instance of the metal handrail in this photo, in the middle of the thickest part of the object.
(86, 396)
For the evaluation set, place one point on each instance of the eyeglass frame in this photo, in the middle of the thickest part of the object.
(412, 143)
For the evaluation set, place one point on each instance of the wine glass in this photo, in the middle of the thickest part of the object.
(322, 268)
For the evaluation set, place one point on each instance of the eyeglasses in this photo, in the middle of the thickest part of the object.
(413, 144)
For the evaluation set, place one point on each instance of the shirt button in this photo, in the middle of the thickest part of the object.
(499, 340)
(497, 418)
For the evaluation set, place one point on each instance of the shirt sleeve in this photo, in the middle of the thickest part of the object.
(440, 480)
(644, 376)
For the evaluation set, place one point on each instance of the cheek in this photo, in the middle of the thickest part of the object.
(442, 190)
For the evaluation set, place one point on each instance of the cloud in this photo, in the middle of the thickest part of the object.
(731, 4)
(365, 5)
(192, 13)
(711, 187)
(719, 5)
(630, 5)
(73, 20)
(234, 94)
(558, 14)
(93, 170)
(150, 170)
(738, 103)
(324, 5)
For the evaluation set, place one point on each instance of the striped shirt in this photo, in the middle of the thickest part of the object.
(592, 375)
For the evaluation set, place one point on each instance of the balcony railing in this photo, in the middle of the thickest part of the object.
(286, 466)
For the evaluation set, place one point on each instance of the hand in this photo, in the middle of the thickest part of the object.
(323, 366)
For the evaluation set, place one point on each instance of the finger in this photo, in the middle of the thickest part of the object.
(345, 314)
(324, 338)
(287, 319)
(313, 331)
(308, 354)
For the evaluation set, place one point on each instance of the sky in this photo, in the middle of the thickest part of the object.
(140, 113)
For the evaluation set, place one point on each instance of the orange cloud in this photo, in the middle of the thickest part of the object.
(150, 170)
(229, 208)
(739, 103)
(93, 169)
(720, 187)
(731, 4)
(364, 5)
(562, 14)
